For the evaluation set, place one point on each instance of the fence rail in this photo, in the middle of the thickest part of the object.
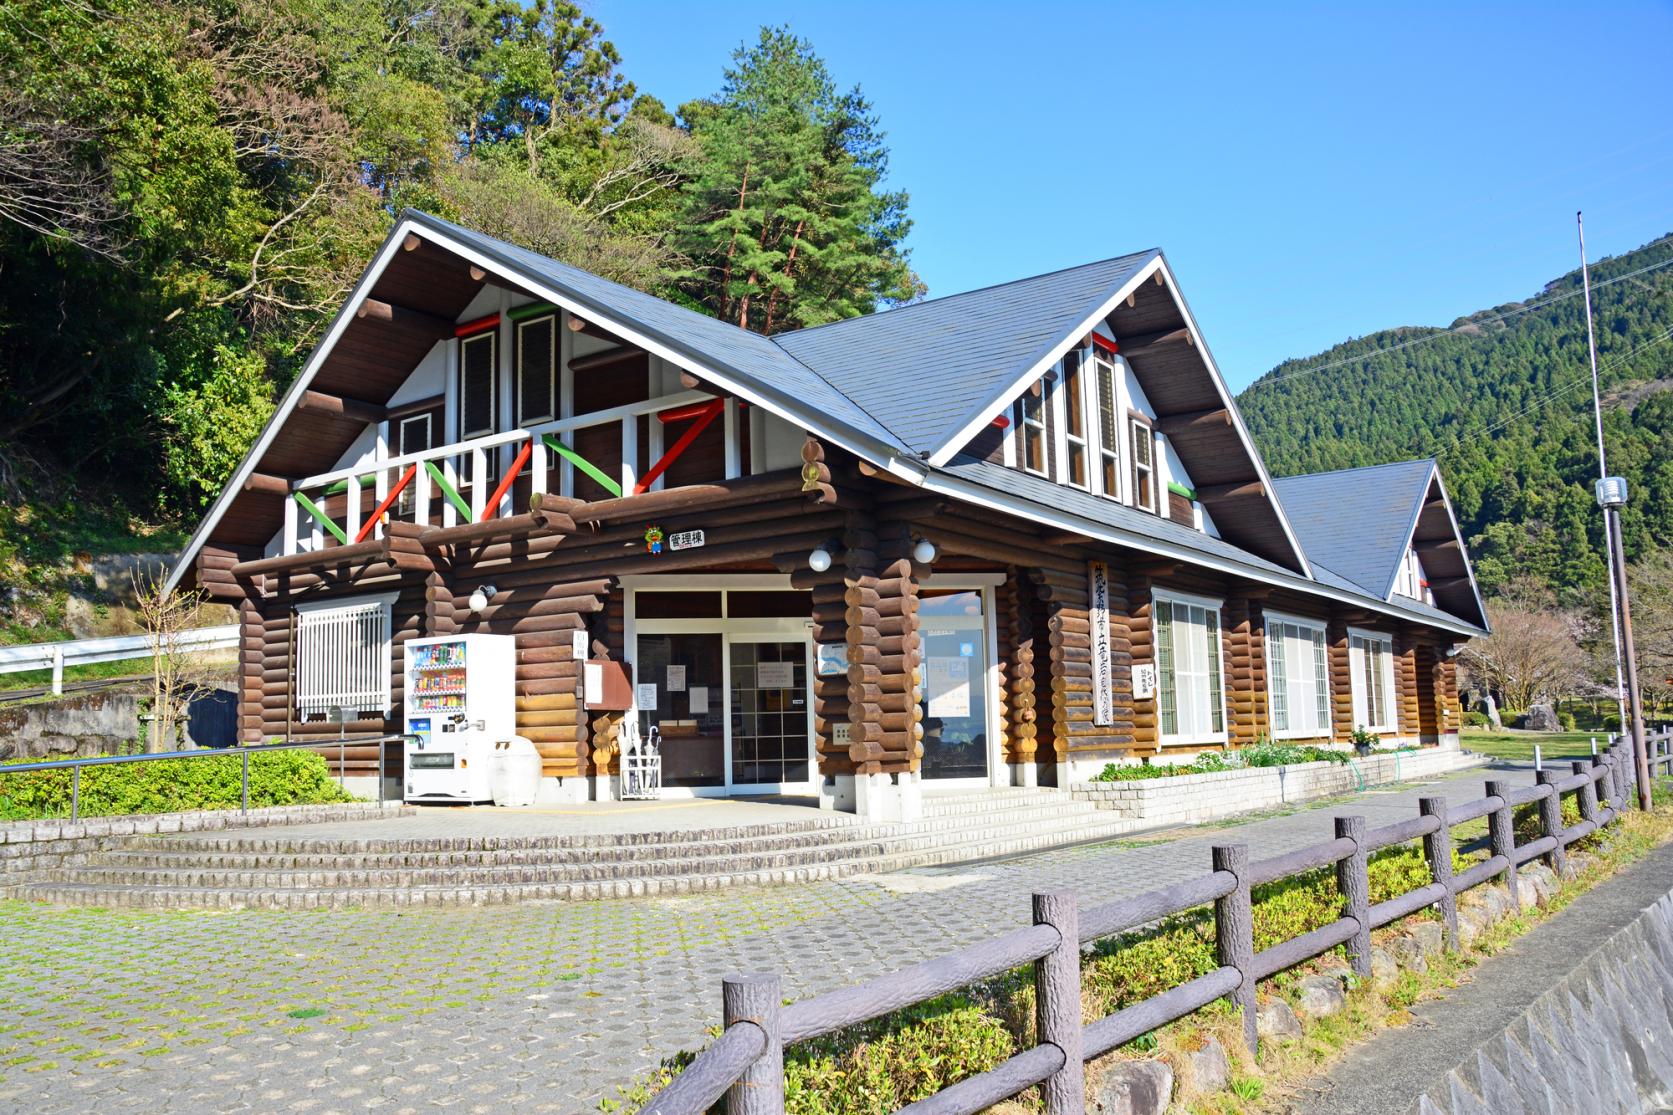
(746, 1063)
(117, 648)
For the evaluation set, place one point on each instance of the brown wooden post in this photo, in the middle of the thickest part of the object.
(1234, 932)
(1551, 821)
(754, 997)
(1588, 793)
(1057, 1013)
(1501, 826)
(1353, 879)
(1437, 849)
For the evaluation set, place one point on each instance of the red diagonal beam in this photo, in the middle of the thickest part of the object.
(707, 415)
(492, 509)
(366, 527)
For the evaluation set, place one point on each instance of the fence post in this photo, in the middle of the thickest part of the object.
(1588, 793)
(58, 672)
(754, 997)
(1353, 879)
(1437, 849)
(1057, 1014)
(1551, 821)
(75, 794)
(1234, 932)
(244, 779)
(1612, 759)
(1501, 825)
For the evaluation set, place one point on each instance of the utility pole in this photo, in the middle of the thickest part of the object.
(1612, 496)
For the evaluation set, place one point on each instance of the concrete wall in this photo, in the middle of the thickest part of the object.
(103, 723)
(1189, 798)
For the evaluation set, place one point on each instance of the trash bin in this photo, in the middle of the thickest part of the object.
(515, 776)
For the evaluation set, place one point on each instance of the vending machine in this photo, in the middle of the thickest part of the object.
(459, 702)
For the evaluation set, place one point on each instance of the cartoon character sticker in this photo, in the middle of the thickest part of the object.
(653, 539)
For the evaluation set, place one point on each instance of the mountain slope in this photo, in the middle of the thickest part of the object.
(1502, 398)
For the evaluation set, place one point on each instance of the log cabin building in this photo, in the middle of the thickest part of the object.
(998, 538)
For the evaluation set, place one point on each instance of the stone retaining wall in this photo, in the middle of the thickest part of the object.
(1189, 798)
(29, 847)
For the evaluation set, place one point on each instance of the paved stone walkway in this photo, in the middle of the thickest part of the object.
(537, 1008)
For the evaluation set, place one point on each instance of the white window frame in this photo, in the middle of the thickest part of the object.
(1039, 427)
(327, 673)
(1359, 639)
(1208, 605)
(1106, 387)
(550, 321)
(1283, 656)
(1134, 425)
(1068, 443)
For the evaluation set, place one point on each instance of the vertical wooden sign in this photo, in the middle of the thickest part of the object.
(1103, 670)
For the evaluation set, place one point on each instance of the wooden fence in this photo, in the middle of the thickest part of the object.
(746, 1063)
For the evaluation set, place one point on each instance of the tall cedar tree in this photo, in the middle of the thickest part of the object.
(786, 220)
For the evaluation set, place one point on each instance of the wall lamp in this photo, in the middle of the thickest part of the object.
(479, 599)
(819, 560)
(924, 551)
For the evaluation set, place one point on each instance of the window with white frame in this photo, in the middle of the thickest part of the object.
(1105, 380)
(1298, 677)
(413, 434)
(1371, 660)
(1144, 465)
(1075, 447)
(476, 385)
(537, 370)
(1190, 699)
(1033, 427)
(342, 656)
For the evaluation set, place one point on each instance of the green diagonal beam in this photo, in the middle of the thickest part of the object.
(583, 464)
(321, 517)
(447, 491)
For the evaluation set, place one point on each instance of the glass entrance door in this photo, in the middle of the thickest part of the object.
(770, 742)
(689, 716)
(954, 698)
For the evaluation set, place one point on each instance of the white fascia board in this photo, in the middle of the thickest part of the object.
(1463, 550)
(861, 446)
(982, 416)
(1237, 415)
(282, 412)
(942, 484)
(1411, 533)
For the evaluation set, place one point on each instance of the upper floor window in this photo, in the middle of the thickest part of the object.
(1074, 422)
(476, 385)
(537, 370)
(1144, 465)
(1034, 428)
(1105, 379)
(1371, 661)
(1190, 699)
(1299, 684)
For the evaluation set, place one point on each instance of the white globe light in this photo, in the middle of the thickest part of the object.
(479, 601)
(924, 552)
(819, 560)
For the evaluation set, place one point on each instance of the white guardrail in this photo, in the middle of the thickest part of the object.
(80, 652)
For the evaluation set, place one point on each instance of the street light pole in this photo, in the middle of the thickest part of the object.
(1612, 496)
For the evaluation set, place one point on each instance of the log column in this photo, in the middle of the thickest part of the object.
(1428, 696)
(1242, 695)
(1446, 691)
(1405, 685)
(1341, 679)
(1142, 640)
(251, 648)
(1013, 601)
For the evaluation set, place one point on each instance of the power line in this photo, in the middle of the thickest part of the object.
(1474, 323)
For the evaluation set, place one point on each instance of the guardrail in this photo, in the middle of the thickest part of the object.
(75, 765)
(117, 648)
(746, 1063)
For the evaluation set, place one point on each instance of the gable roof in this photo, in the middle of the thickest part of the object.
(972, 348)
(1357, 522)
(1357, 525)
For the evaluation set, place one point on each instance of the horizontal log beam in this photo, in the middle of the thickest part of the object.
(1137, 344)
(373, 309)
(1437, 546)
(337, 406)
(1244, 489)
(1217, 418)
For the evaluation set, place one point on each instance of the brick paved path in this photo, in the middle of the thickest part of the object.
(541, 1008)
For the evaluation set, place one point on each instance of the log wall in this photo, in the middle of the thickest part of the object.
(1341, 679)
(1017, 649)
(1405, 683)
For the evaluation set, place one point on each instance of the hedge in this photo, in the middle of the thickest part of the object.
(292, 777)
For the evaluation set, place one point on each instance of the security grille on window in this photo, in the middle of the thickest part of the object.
(1190, 701)
(1299, 689)
(342, 656)
(1371, 658)
(537, 370)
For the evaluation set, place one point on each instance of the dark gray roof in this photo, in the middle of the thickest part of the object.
(1143, 525)
(753, 359)
(1358, 521)
(924, 370)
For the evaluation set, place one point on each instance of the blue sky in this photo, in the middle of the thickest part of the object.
(1314, 172)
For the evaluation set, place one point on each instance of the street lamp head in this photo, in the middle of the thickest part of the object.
(1612, 491)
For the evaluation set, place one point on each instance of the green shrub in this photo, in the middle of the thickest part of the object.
(1612, 722)
(1262, 753)
(293, 777)
(1474, 719)
(1565, 720)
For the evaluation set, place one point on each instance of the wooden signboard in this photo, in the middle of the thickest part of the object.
(1103, 668)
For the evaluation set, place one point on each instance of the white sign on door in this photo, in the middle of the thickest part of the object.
(645, 696)
(947, 687)
(676, 678)
(775, 675)
(1103, 679)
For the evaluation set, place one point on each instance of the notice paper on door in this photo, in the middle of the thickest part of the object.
(775, 675)
(676, 678)
(947, 685)
(699, 697)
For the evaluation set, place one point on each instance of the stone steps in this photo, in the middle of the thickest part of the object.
(297, 873)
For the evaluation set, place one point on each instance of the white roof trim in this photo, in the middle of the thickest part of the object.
(984, 414)
(1436, 479)
(1411, 532)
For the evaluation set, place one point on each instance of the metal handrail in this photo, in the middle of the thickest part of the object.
(75, 765)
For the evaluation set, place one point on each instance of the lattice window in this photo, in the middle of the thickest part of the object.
(342, 656)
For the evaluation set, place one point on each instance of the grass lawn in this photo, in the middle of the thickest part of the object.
(1510, 744)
